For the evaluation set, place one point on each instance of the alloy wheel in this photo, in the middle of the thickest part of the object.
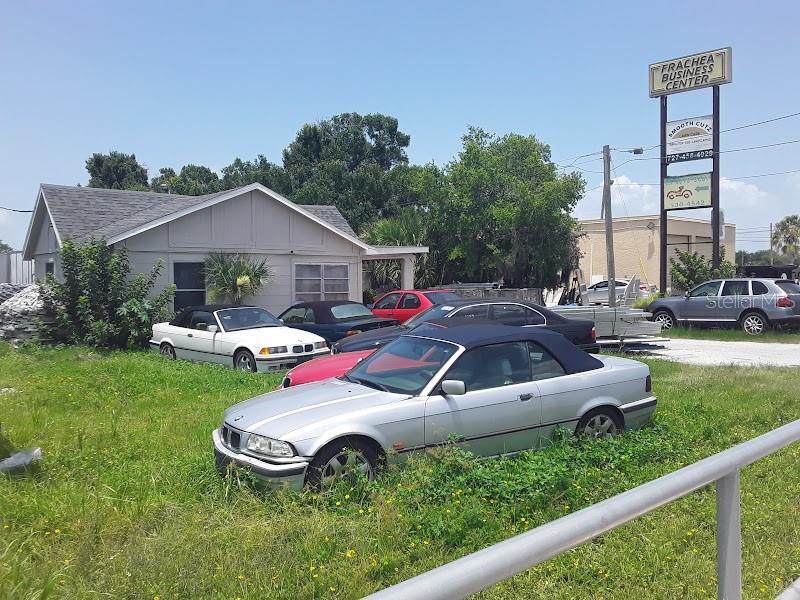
(665, 319)
(243, 363)
(753, 324)
(347, 465)
(601, 426)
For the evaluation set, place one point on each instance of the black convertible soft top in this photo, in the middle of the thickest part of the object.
(472, 333)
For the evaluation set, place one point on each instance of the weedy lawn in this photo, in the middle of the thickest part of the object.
(127, 503)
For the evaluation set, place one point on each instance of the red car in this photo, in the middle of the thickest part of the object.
(323, 368)
(404, 304)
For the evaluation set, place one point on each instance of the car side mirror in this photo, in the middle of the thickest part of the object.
(370, 306)
(213, 328)
(282, 321)
(686, 294)
(453, 387)
(201, 326)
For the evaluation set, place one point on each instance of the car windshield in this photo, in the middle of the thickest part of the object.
(437, 311)
(404, 366)
(236, 319)
(349, 311)
(790, 287)
(441, 297)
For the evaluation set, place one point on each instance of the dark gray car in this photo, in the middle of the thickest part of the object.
(755, 305)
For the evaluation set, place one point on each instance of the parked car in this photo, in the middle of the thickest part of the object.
(598, 292)
(246, 338)
(333, 319)
(755, 305)
(507, 312)
(490, 388)
(404, 304)
(324, 367)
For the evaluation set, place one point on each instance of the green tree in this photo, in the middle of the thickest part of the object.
(195, 180)
(688, 269)
(5, 247)
(346, 161)
(508, 212)
(408, 228)
(233, 277)
(116, 170)
(786, 236)
(240, 173)
(164, 182)
(100, 301)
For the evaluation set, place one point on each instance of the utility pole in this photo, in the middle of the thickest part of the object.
(771, 253)
(610, 271)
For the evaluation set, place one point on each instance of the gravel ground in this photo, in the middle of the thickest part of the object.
(713, 352)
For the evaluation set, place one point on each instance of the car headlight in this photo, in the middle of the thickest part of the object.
(274, 350)
(268, 446)
(322, 344)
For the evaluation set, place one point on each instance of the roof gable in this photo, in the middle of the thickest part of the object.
(80, 213)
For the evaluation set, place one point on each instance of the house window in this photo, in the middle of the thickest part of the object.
(190, 285)
(321, 282)
(49, 268)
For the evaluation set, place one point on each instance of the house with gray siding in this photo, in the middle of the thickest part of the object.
(313, 252)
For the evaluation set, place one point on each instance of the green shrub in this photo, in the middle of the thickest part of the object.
(233, 277)
(100, 302)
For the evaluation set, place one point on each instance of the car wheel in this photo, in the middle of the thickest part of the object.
(244, 361)
(666, 319)
(600, 423)
(754, 323)
(168, 351)
(346, 459)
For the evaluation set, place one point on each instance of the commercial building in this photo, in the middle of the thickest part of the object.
(636, 245)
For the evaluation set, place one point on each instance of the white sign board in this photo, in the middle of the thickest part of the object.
(690, 139)
(690, 72)
(687, 191)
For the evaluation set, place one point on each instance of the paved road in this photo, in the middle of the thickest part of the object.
(711, 352)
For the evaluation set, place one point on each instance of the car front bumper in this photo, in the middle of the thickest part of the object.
(272, 475)
(269, 364)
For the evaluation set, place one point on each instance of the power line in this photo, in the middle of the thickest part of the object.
(761, 122)
(17, 210)
(728, 178)
(721, 151)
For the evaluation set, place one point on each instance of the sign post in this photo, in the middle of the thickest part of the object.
(690, 139)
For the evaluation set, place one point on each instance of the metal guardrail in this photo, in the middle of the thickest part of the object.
(475, 572)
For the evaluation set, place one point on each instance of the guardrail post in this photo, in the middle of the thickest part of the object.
(729, 538)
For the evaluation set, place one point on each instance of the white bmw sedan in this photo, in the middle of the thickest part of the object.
(246, 338)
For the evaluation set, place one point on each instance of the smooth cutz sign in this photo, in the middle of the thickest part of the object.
(690, 72)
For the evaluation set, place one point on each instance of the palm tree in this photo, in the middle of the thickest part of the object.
(787, 236)
(408, 228)
(233, 277)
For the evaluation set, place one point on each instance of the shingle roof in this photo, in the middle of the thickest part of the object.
(84, 212)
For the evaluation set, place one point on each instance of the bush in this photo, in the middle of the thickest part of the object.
(233, 277)
(100, 301)
(690, 269)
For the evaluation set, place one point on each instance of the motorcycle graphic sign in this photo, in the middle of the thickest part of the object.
(687, 191)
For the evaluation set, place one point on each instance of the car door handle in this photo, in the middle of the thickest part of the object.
(190, 335)
(524, 397)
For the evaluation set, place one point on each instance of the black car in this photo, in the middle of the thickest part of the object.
(508, 312)
(333, 319)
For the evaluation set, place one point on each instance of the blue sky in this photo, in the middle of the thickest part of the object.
(205, 82)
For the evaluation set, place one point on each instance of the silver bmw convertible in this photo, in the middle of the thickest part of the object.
(491, 388)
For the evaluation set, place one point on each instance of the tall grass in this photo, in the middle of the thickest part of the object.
(127, 503)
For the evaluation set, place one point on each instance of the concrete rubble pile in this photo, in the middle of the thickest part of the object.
(19, 315)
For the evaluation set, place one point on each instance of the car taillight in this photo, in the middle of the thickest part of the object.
(643, 288)
(351, 332)
(648, 384)
(594, 334)
(785, 302)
